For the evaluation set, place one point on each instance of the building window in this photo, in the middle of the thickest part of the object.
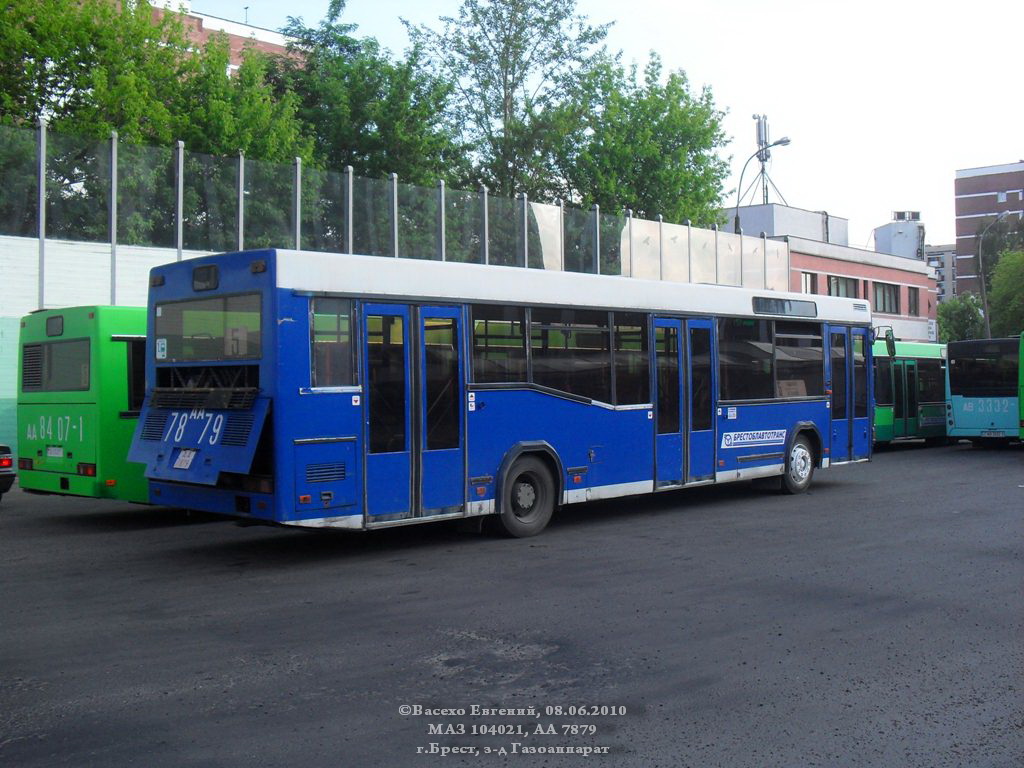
(808, 282)
(913, 302)
(842, 286)
(887, 298)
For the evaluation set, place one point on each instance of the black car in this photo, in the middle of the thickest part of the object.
(6, 469)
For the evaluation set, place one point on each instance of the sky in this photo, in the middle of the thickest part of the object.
(882, 101)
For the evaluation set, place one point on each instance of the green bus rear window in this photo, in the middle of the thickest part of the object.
(55, 366)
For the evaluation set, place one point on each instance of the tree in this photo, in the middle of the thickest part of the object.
(960, 318)
(649, 146)
(365, 110)
(1002, 236)
(1006, 299)
(91, 66)
(513, 62)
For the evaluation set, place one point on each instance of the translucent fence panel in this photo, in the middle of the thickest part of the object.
(730, 267)
(19, 192)
(371, 217)
(545, 223)
(505, 232)
(580, 255)
(147, 197)
(210, 197)
(269, 213)
(777, 265)
(703, 267)
(753, 262)
(675, 253)
(77, 188)
(645, 249)
(464, 226)
(614, 244)
(419, 230)
(323, 211)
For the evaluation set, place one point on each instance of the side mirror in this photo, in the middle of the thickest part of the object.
(890, 342)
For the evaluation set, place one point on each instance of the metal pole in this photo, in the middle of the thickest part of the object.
(561, 234)
(597, 238)
(714, 227)
(297, 206)
(113, 217)
(41, 202)
(764, 259)
(394, 215)
(486, 222)
(241, 200)
(689, 250)
(179, 209)
(981, 273)
(525, 229)
(629, 240)
(661, 248)
(349, 186)
(442, 243)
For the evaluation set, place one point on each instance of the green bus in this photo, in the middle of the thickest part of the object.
(80, 389)
(910, 392)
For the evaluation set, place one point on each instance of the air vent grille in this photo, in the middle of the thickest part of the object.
(153, 427)
(325, 473)
(32, 366)
(236, 431)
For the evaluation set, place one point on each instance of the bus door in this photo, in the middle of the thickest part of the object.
(388, 480)
(851, 425)
(899, 399)
(905, 409)
(668, 397)
(701, 387)
(414, 424)
(441, 426)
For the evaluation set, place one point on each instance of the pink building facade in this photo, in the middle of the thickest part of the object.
(902, 292)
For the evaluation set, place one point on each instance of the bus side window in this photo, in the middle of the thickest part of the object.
(136, 373)
(331, 339)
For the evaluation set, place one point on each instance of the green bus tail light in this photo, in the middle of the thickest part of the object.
(24, 463)
(89, 470)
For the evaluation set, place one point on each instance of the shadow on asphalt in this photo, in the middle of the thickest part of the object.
(132, 518)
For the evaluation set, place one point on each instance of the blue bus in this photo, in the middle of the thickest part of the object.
(357, 392)
(984, 378)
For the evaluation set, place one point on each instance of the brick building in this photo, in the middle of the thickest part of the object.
(981, 195)
(201, 27)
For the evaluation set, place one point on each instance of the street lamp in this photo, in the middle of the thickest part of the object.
(981, 271)
(784, 141)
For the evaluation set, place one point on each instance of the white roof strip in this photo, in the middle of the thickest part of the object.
(388, 277)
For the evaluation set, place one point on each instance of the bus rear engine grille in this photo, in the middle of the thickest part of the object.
(236, 431)
(32, 366)
(217, 399)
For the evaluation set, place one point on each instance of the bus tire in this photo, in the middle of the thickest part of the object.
(527, 498)
(800, 463)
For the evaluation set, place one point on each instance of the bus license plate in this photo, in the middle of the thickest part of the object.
(184, 460)
(992, 433)
(54, 452)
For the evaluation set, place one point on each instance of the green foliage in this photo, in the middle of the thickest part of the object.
(366, 110)
(960, 318)
(1006, 298)
(1001, 236)
(513, 62)
(90, 66)
(649, 146)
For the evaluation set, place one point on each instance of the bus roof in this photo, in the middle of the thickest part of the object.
(448, 281)
(912, 349)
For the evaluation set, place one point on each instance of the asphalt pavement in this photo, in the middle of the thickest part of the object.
(877, 620)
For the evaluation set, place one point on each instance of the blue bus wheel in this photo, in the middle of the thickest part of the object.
(799, 466)
(527, 498)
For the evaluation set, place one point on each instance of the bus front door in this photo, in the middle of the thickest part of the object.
(701, 387)
(668, 439)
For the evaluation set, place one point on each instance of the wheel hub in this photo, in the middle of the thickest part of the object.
(525, 496)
